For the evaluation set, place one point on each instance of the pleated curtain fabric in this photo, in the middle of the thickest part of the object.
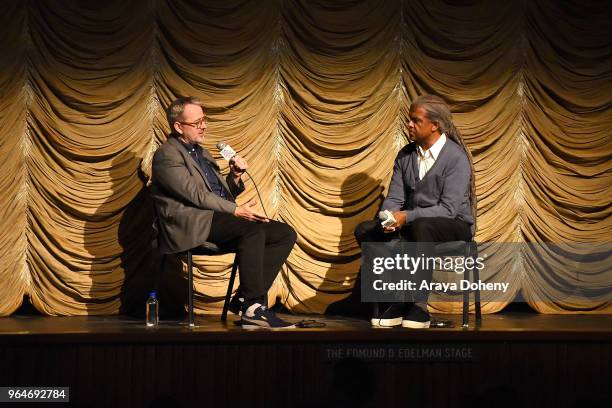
(315, 95)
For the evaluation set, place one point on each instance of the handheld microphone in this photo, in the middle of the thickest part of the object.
(386, 217)
(226, 151)
(228, 154)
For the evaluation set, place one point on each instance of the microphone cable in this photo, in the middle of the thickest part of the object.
(302, 324)
(309, 324)
(258, 195)
(228, 154)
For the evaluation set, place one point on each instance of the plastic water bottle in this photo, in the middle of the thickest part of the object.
(152, 309)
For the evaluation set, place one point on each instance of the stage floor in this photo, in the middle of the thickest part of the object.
(505, 326)
(524, 359)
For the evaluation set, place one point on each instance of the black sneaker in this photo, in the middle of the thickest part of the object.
(416, 318)
(236, 303)
(258, 316)
(391, 316)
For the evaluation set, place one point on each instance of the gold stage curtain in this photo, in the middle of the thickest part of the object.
(315, 95)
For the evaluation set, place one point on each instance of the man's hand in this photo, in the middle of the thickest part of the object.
(400, 221)
(238, 166)
(248, 212)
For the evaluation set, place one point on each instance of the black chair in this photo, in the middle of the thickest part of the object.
(468, 249)
(210, 249)
(207, 248)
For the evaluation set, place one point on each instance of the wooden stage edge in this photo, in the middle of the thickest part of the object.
(514, 360)
(502, 327)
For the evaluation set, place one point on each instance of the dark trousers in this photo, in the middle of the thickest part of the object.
(435, 229)
(261, 250)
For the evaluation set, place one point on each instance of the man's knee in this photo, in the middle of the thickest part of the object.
(254, 230)
(364, 230)
(289, 233)
(421, 230)
(277, 231)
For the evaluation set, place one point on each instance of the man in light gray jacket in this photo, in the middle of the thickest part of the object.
(431, 196)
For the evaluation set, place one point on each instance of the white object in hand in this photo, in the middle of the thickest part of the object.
(386, 217)
(226, 151)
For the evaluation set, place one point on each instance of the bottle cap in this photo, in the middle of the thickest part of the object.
(153, 294)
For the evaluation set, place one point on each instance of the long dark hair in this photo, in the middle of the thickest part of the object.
(437, 111)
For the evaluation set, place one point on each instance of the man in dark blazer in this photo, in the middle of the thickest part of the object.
(195, 204)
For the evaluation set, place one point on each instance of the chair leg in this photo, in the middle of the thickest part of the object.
(477, 292)
(466, 302)
(190, 283)
(230, 288)
(160, 270)
(466, 295)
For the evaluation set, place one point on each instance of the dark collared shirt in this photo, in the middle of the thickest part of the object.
(195, 151)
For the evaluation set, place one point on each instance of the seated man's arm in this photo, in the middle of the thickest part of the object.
(455, 191)
(237, 166)
(172, 175)
(235, 189)
(396, 196)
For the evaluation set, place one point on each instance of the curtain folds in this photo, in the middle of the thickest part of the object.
(315, 95)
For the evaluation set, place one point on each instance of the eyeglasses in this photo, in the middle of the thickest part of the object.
(198, 124)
